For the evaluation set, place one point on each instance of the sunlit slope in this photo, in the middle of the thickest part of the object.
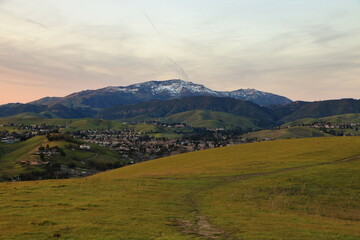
(71, 124)
(11, 155)
(337, 119)
(244, 158)
(211, 119)
(293, 132)
(320, 202)
(283, 190)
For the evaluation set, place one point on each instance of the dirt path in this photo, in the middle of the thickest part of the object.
(203, 228)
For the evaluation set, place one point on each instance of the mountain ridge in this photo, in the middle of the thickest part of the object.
(156, 90)
(153, 109)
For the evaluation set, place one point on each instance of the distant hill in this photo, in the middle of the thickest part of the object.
(71, 124)
(321, 109)
(261, 115)
(46, 101)
(293, 132)
(16, 108)
(156, 90)
(336, 119)
(281, 111)
(52, 111)
(210, 119)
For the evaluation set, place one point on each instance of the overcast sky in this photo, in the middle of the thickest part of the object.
(302, 49)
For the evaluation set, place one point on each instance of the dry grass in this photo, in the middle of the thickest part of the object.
(238, 192)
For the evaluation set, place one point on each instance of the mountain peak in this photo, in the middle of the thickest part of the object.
(158, 90)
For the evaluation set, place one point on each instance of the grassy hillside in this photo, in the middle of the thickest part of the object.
(211, 119)
(71, 124)
(54, 111)
(293, 132)
(157, 109)
(12, 154)
(287, 189)
(324, 109)
(337, 119)
(95, 159)
(95, 124)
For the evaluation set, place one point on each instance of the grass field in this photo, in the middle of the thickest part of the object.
(286, 189)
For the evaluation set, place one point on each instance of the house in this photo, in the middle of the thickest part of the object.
(85, 147)
(10, 140)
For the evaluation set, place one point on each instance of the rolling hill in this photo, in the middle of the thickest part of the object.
(156, 109)
(70, 124)
(210, 119)
(18, 160)
(53, 111)
(293, 132)
(287, 189)
(336, 119)
(172, 103)
(323, 109)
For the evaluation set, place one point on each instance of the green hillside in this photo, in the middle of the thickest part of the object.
(71, 124)
(323, 109)
(19, 159)
(336, 119)
(158, 109)
(211, 119)
(292, 132)
(288, 189)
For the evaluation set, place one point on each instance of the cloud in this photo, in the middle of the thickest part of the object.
(73, 53)
(325, 34)
(35, 23)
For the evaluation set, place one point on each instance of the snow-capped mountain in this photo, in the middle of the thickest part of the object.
(157, 90)
(173, 88)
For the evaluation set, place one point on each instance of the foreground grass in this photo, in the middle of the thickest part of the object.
(319, 203)
(268, 190)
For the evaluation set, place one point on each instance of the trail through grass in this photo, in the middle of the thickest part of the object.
(288, 189)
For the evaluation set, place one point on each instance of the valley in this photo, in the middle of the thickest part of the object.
(88, 146)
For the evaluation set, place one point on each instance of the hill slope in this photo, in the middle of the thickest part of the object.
(165, 108)
(210, 119)
(288, 189)
(21, 161)
(71, 124)
(53, 111)
(323, 109)
(293, 132)
(350, 118)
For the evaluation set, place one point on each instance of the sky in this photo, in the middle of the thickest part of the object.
(301, 49)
